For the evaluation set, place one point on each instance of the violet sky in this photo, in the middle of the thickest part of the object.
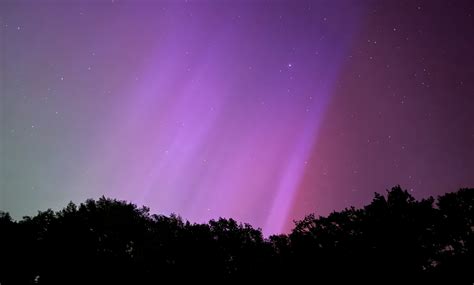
(262, 111)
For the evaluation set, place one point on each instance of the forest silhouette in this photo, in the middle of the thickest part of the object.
(393, 240)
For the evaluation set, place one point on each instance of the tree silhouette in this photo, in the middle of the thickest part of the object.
(393, 239)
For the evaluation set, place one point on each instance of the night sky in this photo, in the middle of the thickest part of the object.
(262, 111)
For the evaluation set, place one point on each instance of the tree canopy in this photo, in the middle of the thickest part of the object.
(395, 238)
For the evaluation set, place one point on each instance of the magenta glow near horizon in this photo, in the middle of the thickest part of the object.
(261, 111)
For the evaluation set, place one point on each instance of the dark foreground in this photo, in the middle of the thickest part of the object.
(393, 239)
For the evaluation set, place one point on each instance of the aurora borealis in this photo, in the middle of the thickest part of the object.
(262, 111)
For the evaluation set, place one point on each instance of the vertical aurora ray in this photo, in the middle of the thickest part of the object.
(227, 140)
(292, 175)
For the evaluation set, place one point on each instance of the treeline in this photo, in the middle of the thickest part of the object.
(394, 239)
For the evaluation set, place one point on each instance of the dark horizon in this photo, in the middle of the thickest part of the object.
(185, 219)
(395, 239)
